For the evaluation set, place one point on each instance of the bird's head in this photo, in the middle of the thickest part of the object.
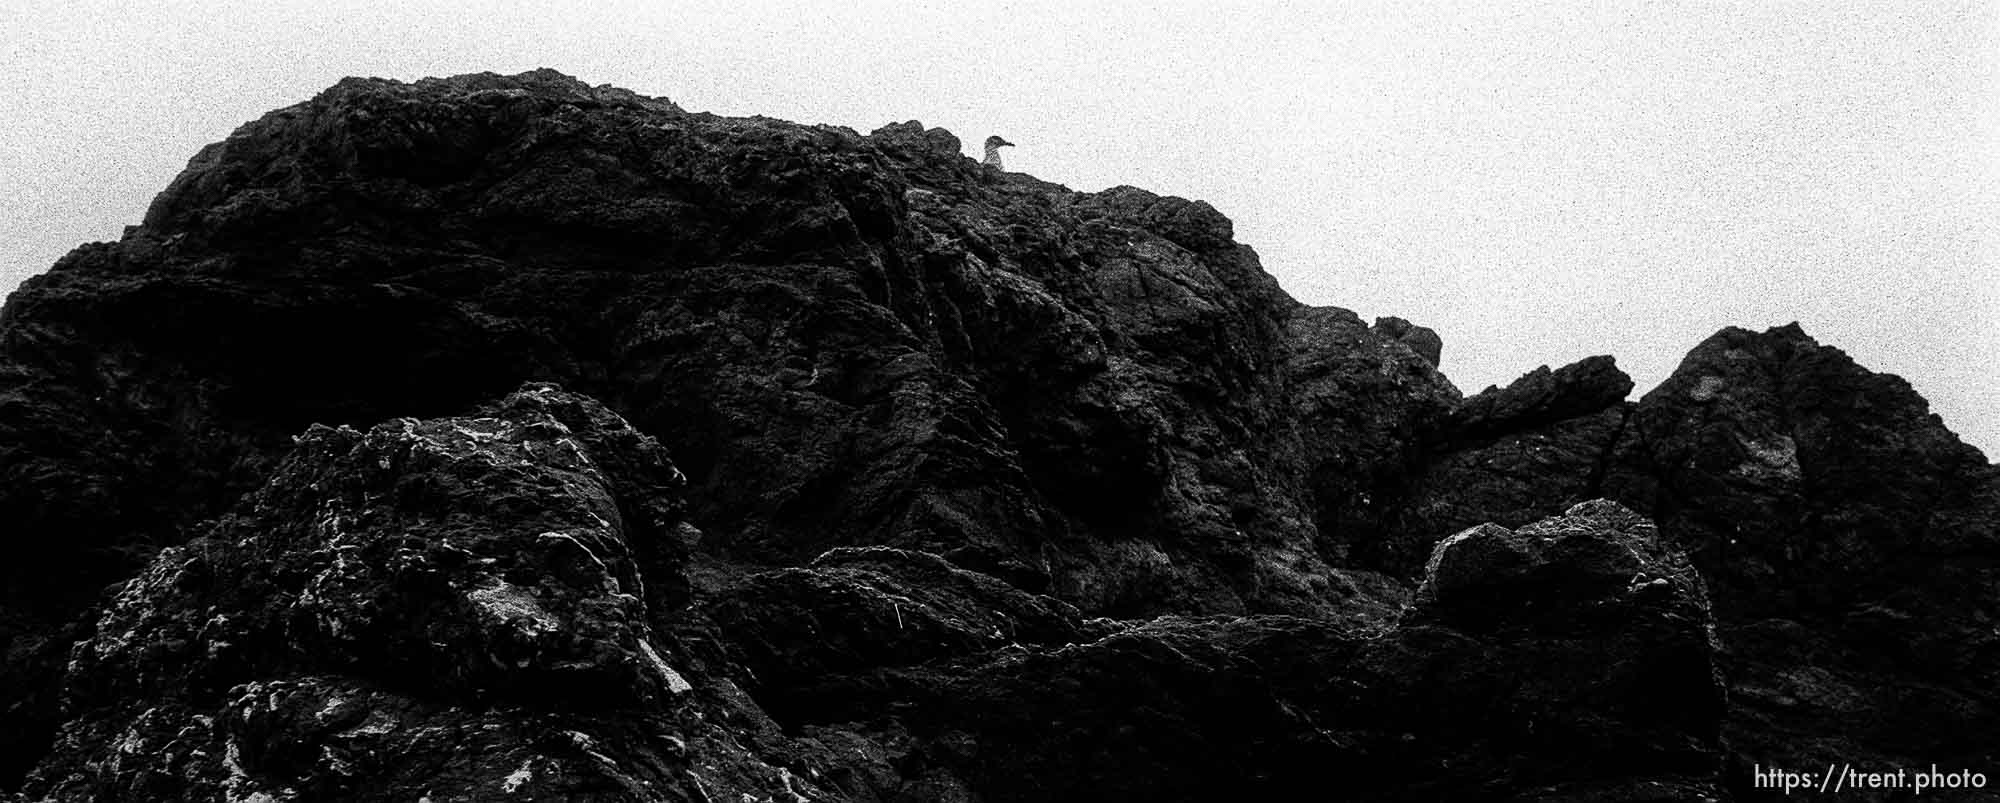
(996, 142)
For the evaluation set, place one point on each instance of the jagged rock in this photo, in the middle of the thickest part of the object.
(1369, 405)
(1510, 456)
(936, 423)
(914, 138)
(1541, 398)
(1849, 539)
(1775, 456)
(1554, 568)
(1193, 225)
(855, 610)
(456, 609)
(1610, 685)
(490, 607)
(1421, 339)
(849, 340)
(1852, 542)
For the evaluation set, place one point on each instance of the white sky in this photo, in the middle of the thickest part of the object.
(1537, 181)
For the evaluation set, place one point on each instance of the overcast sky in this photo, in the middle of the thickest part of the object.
(1537, 181)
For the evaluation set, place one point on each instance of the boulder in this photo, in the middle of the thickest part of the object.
(459, 609)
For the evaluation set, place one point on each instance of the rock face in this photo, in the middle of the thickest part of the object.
(979, 489)
(848, 341)
(495, 607)
(1852, 543)
(1511, 456)
(456, 609)
(1849, 539)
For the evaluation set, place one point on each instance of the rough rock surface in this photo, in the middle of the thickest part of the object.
(1511, 456)
(848, 340)
(1421, 339)
(455, 609)
(1852, 544)
(1619, 695)
(491, 607)
(980, 489)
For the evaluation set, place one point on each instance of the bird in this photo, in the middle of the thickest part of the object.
(993, 145)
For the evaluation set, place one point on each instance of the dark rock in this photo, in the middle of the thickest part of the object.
(850, 340)
(1541, 398)
(916, 140)
(1556, 568)
(1772, 455)
(457, 609)
(1848, 538)
(1421, 339)
(472, 608)
(1511, 456)
(1609, 684)
(854, 610)
(1193, 225)
(1511, 480)
(1852, 542)
(1369, 405)
(931, 424)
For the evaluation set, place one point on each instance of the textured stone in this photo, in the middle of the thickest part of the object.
(1421, 339)
(457, 609)
(1852, 543)
(1510, 456)
(849, 340)
(981, 489)
(1604, 640)
(1540, 398)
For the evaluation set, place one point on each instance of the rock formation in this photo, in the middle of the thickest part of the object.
(496, 606)
(1852, 543)
(493, 437)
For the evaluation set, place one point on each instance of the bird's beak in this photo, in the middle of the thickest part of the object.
(1006, 143)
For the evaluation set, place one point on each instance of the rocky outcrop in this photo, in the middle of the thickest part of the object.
(495, 607)
(1539, 399)
(1207, 709)
(1510, 456)
(803, 633)
(848, 340)
(1849, 538)
(1370, 406)
(980, 489)
(1421, 339)
(851, 340)
(1852, 542)
(457, 609)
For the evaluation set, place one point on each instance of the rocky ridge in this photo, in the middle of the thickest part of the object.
(874, 474)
